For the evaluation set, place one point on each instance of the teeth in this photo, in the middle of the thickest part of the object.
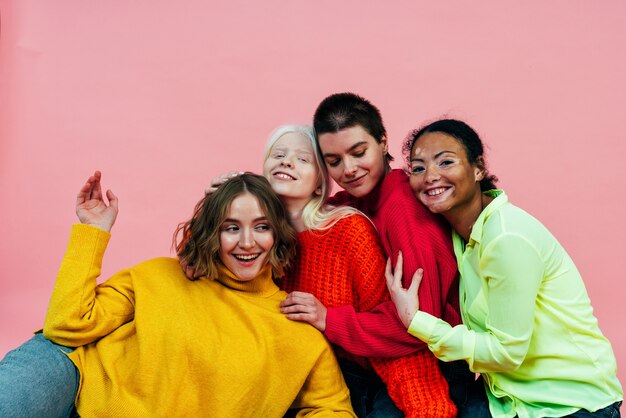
(246, 257)
(435, 192)
(284, 176)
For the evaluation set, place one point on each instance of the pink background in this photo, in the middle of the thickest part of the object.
(162, 96)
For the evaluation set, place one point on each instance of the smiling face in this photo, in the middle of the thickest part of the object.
(291, 168)
(355, 160)
(246, 238)
(442, 178)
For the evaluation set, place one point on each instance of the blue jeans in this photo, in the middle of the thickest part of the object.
(368, 393)
(467, 393)
(611, 411)
(38, 380)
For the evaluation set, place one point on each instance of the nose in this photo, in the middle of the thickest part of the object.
(286, 162)
(431, 175)
(246, 239)
(349, 168)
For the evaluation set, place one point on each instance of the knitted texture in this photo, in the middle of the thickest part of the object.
(403, 224)
(154, 344)
(345, 266)
(416, 385)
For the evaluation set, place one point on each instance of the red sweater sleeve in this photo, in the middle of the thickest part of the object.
(425, 243)
(378, 333)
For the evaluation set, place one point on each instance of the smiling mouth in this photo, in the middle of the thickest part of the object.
(355, 180)
(435, 192)
(246, 257)
(284, 176)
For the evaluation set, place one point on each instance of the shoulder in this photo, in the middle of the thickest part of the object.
(355, 230)
(341, 198)
(512, 220)
(402, 211)
(513, 231)
(398, 195)
(158, 265)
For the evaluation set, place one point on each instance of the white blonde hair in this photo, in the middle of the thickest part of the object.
(316, 215)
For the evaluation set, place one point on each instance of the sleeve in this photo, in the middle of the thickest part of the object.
(425, 244)
(379, 333)
(416, 385)
(81, 311)
(324, 393)
(512, 272)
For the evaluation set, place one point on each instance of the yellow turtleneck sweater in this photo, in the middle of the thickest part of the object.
(152, 343)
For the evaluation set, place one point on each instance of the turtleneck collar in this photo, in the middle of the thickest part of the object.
(372, 202)
(262, 285)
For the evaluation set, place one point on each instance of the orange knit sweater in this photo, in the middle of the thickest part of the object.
(345, 266)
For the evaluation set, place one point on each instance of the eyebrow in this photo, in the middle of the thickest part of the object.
(358, 144)
(439, 154)
(297, 151)
(261, 218)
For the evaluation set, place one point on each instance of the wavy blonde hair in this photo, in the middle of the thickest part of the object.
(317, 214)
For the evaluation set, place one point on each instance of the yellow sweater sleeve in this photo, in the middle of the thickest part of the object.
(80, 310)
(324, 393)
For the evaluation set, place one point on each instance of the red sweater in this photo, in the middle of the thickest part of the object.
(403, 224)
(345, 266)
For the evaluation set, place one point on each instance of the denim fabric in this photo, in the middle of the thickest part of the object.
(467, 392)
(368, 393)
(38, 380)
(611, 411)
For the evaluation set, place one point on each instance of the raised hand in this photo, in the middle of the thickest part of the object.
(91, 207)
(217, 182)
(302, 306)
(406, 300)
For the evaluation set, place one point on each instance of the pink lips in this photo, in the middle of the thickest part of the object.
(356, 182)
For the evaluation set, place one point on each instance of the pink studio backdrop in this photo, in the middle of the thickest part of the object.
(162, 96)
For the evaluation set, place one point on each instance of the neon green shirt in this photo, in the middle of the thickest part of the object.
(528, 324)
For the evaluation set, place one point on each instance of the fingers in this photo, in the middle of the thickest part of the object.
(397, 272)
(217, 182)
(96, 189)
(389, 274)
(417, 280)
(298, 299)
(86, 191)
(113, 201)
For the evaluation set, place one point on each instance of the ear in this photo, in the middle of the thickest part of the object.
(385, 144)
(318, 191)
(479, 169)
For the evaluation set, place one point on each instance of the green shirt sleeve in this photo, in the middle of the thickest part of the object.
(511, 274)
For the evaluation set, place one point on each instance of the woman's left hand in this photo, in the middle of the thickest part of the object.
(302, 306)
(406, 300)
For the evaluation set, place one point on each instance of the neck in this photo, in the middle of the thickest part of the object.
(294, 208)
(463, 218)
(261, 285)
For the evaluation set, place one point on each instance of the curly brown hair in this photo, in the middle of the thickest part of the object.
(199, 243)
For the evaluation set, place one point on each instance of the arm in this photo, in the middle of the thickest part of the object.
(80, 311)
(378, 332)
(512, 272)
(324, 392)
(425, 244)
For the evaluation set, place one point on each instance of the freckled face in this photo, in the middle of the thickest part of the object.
(354, 159)
(442, 177)
(246, 238)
